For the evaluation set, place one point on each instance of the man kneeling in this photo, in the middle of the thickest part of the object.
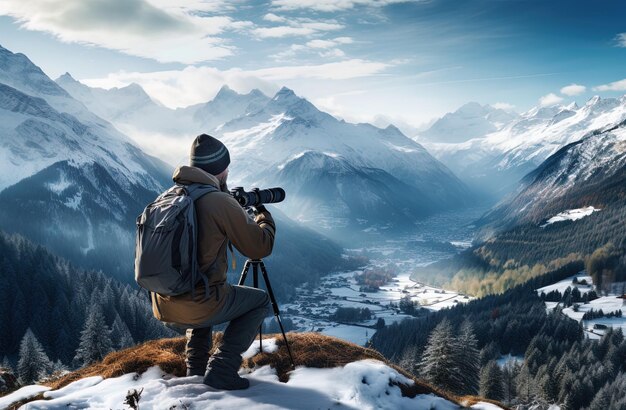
(220, 220)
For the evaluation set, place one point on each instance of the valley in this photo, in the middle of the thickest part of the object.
(435, 238)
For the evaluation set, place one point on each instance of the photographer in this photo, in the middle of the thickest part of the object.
(220, 220)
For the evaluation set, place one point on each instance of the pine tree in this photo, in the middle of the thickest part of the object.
(33, 362)
(95, 339)
(468, 359)
(509, 375)
(120, 335)
(438, 364)
(6, 364)
(602, 399)
(491, 381)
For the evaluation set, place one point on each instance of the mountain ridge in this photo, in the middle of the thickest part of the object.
(265, 133)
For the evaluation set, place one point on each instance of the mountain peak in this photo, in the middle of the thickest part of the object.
(66, 79)
(225, 93)
(473, 108)
(593, 100)
(284, 93)
(256, 93)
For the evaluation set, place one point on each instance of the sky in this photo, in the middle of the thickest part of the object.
(404, 61)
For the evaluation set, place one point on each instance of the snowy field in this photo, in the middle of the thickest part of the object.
(365, 384)
(314, 307)
(568, 282)
(608, 303)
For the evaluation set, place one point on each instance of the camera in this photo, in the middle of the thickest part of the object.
(257, 197)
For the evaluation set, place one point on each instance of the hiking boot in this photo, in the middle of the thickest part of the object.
(219, 381)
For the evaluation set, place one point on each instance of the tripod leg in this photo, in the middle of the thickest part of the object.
(276, 311)
(244, 273)
(255, 282)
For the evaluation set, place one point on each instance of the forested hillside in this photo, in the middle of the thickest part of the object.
(527, 235)
(48, 304)
(559, 364)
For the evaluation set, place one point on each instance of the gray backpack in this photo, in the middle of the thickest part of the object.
(166, 244)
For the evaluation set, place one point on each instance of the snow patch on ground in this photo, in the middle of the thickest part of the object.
(25, 392)
(59, 186)
(269, 346)
(571, 215)
(608, 303)
(365, 384)
(562, 285)
(74, 202)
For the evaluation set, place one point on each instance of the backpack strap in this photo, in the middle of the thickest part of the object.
(195, 191)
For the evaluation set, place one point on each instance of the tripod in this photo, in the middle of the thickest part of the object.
(256, 263)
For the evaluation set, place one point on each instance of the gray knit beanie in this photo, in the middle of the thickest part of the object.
(209, 154)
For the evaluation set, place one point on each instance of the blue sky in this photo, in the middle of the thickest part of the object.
(408, 61)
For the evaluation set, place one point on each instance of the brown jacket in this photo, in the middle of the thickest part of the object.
(220, 218)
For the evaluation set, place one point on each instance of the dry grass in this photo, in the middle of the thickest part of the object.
(468, 401)
(309, 349)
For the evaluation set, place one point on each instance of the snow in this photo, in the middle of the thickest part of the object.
(525, 141)
(25, 392)
(364, 384)
(485, 406)
(608, 303)
(59, 186)
(48, 126)
(571, 215)
(74, 202)
(269, 346)
(561, 285)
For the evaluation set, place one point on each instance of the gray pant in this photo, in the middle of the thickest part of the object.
(245, 308)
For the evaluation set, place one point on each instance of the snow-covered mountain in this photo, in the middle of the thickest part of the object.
(41, 125)
(375, 176)
(227, 105)
(72, 182)
(129, 108)
(374, 172)
(69, 179)
(590, 172)
(469, 121)
(501, 158)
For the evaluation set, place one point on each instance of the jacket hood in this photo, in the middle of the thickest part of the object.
(186, 175)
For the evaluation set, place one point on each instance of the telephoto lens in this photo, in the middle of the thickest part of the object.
(257, 196)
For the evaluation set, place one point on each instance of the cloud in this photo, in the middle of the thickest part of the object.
(614, 86)
(192, 85)
(296, 27)
(166, 31)
(331, 5)
(329, 43)
(573, 89)
(274, 18)
(620, 39)
(550, 99)
(282, 31)
(333, 53)
(503, 106)
(324, 48)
